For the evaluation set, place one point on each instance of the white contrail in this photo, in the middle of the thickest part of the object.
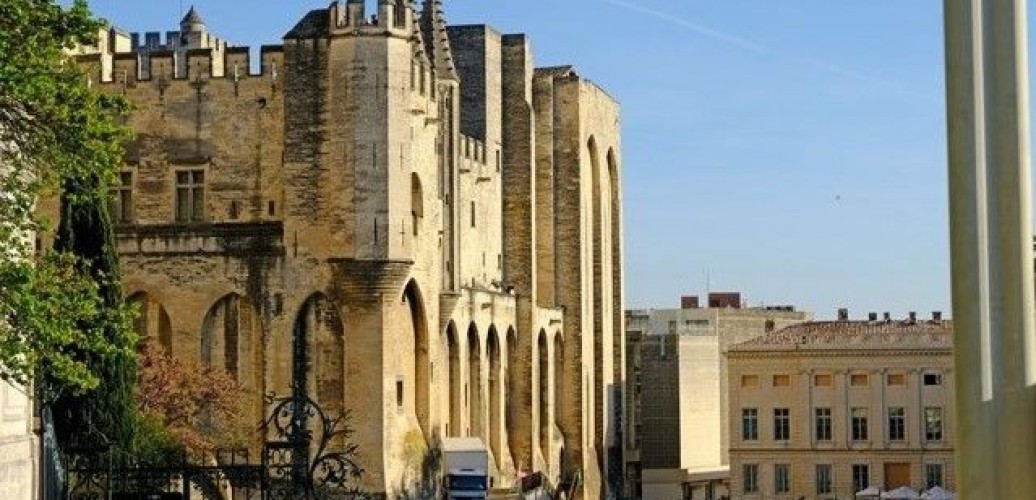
(753, 46)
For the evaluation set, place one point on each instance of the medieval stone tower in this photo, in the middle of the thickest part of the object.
(429, 222)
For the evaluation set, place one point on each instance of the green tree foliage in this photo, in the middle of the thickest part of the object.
(61, 311)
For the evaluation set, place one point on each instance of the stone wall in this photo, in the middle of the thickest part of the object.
(356, 193)
(19, 448)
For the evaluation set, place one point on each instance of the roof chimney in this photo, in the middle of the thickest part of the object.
(872, 317)
(913, 317)
(887, 317)
(843, 314)
(937, 316)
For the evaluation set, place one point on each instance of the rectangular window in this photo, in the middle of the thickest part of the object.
(823, 424)
(190, 195)
(897, 424)
(782, 478)
(859, 380)
(781, 424)
(822, 380)
(933, 424)
(859, 424)
(122, 199)
(931, 379)
(933, 475)
(751, 478)
(782, 381)
(472, 214)
(749, 424)
(399, 394)
(824, 479)
(896, 379)
(750, 381)
(861, 477)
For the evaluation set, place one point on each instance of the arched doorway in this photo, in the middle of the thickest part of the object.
(495, 402)
(422, 361)
(456, 406)
(474, 383)
(152, 322)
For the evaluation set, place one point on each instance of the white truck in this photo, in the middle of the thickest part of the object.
(466, 468)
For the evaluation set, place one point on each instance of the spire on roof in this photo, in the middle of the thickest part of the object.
(433, 27)
(192, 21)
(417, 36)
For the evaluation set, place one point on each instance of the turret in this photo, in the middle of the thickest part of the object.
(192, 22)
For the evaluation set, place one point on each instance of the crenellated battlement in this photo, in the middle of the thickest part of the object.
(232, 63)
(152, 40)
(392, 17)
(473, 150)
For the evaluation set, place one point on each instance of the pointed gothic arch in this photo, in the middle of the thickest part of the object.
(418, 325)
(228, 338)
(456, 405)
(318, 347)
(152, 322)
(475, 427)
(512, 407)
(559, 375)
(495, 379)
(598, 236)
(543, 391)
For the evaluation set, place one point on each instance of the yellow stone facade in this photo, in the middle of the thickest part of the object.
(438, 219)
(819, 403)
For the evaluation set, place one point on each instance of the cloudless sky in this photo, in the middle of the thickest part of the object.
(793, 151)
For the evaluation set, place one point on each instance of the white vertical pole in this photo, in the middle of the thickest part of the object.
(991, 239)
(1010, 246)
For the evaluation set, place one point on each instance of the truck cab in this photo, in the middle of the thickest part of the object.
(466, 468)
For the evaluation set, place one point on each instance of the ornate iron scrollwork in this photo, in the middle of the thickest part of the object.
(295, 468)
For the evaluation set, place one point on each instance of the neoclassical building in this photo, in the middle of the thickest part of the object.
(830, 409)
(423, 218)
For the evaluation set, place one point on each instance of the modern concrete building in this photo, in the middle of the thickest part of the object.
(676, 439)
(827, 409)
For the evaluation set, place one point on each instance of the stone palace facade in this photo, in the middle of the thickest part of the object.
(429, 222)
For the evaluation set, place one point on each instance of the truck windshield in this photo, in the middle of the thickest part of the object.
(467, 483)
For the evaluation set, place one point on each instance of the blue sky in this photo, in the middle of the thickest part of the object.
(794, 151)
